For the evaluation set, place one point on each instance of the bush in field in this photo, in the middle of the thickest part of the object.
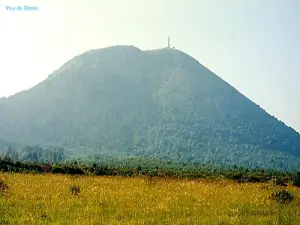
(75, 190)
(283, 197)
(3, 186)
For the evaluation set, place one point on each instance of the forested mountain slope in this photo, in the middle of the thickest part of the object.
(160, 103)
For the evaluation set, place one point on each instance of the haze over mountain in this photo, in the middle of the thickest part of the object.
(161, 103)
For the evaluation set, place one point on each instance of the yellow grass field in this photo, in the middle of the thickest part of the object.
(47, 199)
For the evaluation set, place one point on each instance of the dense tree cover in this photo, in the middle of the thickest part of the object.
(32, 153)
(162, 104)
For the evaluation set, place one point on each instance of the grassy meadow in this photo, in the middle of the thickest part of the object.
(48, 199)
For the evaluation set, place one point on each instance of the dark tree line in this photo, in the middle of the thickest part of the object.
(147, 167)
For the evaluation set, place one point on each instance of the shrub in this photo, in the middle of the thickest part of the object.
(296, 180)
(74, 170)
(236, 176)
(3, 185)
(75, 190)
(47, 168)
(283, 197)
(279, 181)
(57, 169)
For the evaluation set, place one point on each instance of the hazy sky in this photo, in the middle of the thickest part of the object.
(252, 44)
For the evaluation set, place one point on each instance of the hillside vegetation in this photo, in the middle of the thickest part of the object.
(162, 103)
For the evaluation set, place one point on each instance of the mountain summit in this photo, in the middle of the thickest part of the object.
(159, 103)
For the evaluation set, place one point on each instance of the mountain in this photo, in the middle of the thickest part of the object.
(161, 103)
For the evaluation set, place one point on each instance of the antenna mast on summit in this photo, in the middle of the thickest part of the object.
(169, 40)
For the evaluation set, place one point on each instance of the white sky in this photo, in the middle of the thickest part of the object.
(252, 44)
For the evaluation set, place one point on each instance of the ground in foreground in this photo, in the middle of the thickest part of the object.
(62, 199)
